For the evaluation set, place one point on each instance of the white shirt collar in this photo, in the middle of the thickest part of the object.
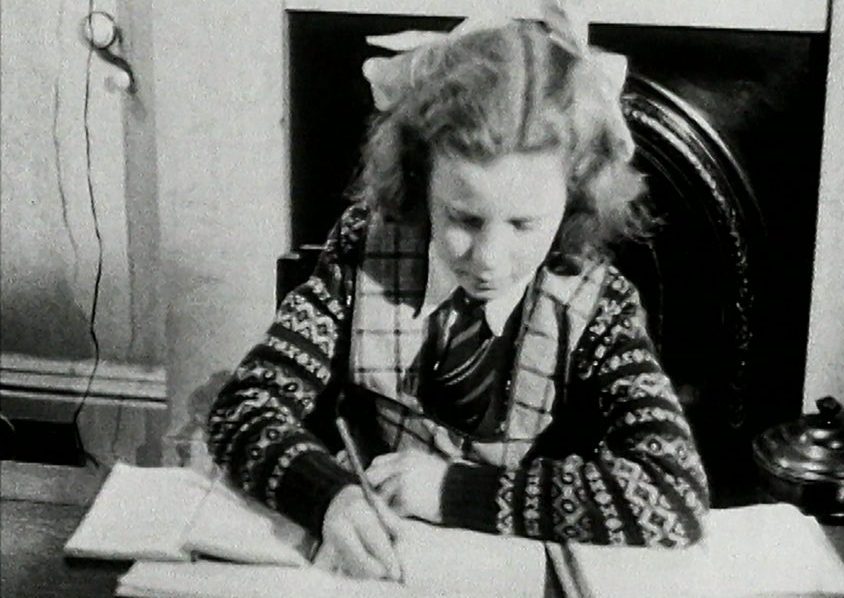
(442, 283)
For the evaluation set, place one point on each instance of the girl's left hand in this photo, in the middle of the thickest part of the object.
(410, 482)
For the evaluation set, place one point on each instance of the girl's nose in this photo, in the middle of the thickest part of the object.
(489, 249)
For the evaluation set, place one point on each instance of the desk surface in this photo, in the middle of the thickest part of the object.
(32, 535)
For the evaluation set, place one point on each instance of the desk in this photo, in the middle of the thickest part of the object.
(31, 563)
(32, 537)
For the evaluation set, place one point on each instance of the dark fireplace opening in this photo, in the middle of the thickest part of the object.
(728, 126)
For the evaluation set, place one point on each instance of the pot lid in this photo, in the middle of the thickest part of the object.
(809, 449)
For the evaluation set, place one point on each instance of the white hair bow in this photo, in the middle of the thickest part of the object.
(390, 77)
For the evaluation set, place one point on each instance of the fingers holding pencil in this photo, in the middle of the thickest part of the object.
(370, 530)
(411, 482)
(356, 541)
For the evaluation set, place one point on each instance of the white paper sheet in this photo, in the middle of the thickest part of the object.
(436, 562)
(456, 562)
(228, 525)
(171, 513)
(762, 550)
(205, 579)
(139, 513)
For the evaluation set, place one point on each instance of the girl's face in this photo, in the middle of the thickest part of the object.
(493, 223)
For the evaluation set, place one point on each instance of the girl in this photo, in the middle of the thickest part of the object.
(497, 368)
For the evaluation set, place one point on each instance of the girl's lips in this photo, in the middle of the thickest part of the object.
(483, 285)
(489, 281)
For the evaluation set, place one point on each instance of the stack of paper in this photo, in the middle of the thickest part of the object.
(762, 550)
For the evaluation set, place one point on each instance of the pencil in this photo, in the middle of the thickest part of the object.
(368, 492)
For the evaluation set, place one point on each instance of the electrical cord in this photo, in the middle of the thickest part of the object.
(101, 48)
(87, 456)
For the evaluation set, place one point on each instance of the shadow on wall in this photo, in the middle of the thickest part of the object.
(189, 440)
(41, 321)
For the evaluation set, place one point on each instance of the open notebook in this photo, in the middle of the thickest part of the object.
(437, 562)
(763, 550)
(174, 514)
(164, 517)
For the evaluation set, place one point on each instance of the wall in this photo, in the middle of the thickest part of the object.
(221, 179)
(49, 242)
(825, 361)
(49, 248)
(188, 178)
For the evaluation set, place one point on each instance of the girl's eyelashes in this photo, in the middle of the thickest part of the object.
(475, 222)
(471, 222)
(523, 225)
(465, 220)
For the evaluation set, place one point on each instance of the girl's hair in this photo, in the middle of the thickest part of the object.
(513, 89)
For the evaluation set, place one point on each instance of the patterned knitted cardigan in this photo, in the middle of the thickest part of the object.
(626, 470)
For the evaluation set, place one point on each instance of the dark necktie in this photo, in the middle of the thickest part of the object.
(462, 375)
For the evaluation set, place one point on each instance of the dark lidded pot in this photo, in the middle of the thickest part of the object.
(802, 462)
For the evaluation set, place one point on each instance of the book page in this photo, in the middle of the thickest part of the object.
(458, 562)
(762, 550)
(172, 513)
(139, 513)
(229, 525)
(436, 562)
(168, 514)
(207, 579)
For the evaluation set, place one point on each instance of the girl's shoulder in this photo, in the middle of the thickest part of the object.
(595, 288)
(618, 317)
(599, 301)
(617, 305)
(347, 238)
(617, 288)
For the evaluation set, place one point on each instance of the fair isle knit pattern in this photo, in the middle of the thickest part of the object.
(616, 464)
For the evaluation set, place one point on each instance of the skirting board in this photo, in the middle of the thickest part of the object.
(110, 430)
(71, 378)
(123, 417)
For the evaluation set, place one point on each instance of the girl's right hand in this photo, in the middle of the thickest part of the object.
(353, 540)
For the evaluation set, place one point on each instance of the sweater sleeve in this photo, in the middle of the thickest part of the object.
(256, 427)
(643, 484)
